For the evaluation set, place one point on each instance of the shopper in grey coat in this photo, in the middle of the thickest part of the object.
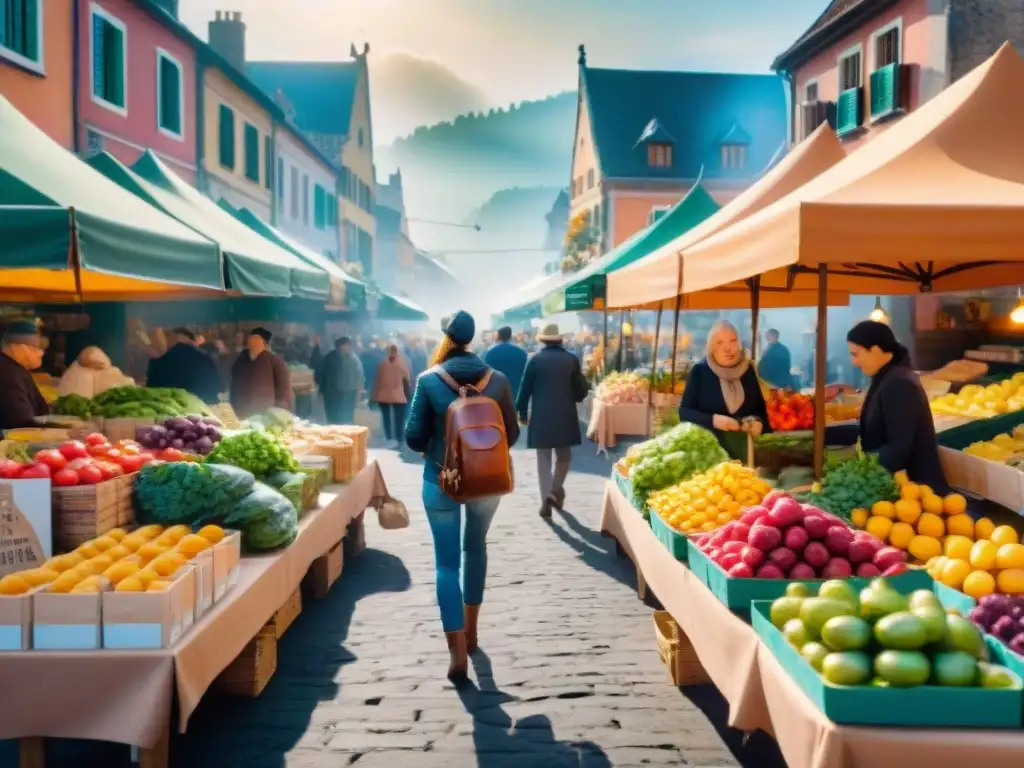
(552, 385)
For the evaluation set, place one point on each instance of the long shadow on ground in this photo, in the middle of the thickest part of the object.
(259, 733)
(595, 550)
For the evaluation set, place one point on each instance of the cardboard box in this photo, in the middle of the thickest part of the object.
(65, 622)
(151, 620)
(16, 622)
(325, 571)
(227, 559)
(981, 477)
(204, 582)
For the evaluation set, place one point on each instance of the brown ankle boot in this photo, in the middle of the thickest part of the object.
(458, 669)
(472, 614)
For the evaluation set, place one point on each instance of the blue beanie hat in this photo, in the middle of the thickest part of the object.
(461, 328)
(25, 331)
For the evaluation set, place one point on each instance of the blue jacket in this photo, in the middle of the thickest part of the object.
(776, 365)
(510, 360)
(703, 399)
(424, 429)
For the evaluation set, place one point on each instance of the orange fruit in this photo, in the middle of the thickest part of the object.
(13, 584)
(983, 528)
(901, 477)
(174, 534)
(118, 552)
(97, 565)
(116, 533)
(1004, 534)
(191, 545)
(36, 577)
(130, 584)
(883, 509)
(954, 504)
(62, 563)
(960, 525)
(158, 586)
(907, 511)
(118, 571)
(910, 491)
(1011, 581)
(924, 548)
(954, 573)
(958, 547)
(935, 566)
(133, 541)
(213, 533)
(164, 565)
(900, 535)
(930, 524)
(146, 575)
(1010, 556)
(978, 584)
(859, 517)
(86, 588)
(151, 549)
(983, 555)
(932, 503)
(879, 527)
(88, 550)
(148, 532)
(103, 543)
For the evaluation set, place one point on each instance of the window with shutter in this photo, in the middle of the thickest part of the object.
(280, 184)
(169, 104)
(295, 193)
(226, 131)
(268, 162)
(887, 47)
(332, 211)
(109, 61)
(811, 91)
(318, 206)
(21, 33)
(305, 200)
(850, 71)
(252, 153)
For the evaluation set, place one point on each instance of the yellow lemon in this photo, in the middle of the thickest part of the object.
(118, 571)
(932, 503)
(149, 532)
(86, 588)
(954, 573)
(954, 504)
(117, 552)
(908, 510)
(158, 586)
(133, 541)
(961, 525)
(13, 584)
(103, 543)
(901, 477)
(879, 527)
(859, 517)
(910, 491)
(1010, 556)
(88, 550)
(39, 576)
(983, 555)
(958, 547)
(98, 564)
(924, 547)
(192, 544)
(212, 533)
(145, 575)
(1004, 534)
(130, 584)
(930, 524)
(900, 535)
(938, 564)
(884, 509)
(708, 527)
(1011, 581)
(152, 549)
(978, 584)
(983, 528)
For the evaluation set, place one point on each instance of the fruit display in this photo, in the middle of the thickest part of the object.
(76, 462)
(664, 384)
(673, 456)
(140, 561)
(1007, 448)
(255, 451)
(780, 538)
(191, 434)
(993, 564)
(854, 483)
(710, 499)
(1002, 616)
(919, 521)
(132, 402)
(837, 411)
(960, 371)
(974, 401)
(623, 388)
(789, 411)
(881, 637)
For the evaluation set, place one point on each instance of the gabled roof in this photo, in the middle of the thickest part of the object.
(323, 93)
(735, 135)
(694, 108)
(656, 132)
(838, 18)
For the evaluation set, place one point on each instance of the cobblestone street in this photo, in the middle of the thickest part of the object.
(569, 675)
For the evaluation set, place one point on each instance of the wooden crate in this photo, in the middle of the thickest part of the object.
(287, 613)
(249, 674)
(325, 571)
(74, 527)
(360, 436)
(676, 652)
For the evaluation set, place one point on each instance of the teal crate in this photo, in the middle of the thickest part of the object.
(1001, 653)
(674, 542)
(953, 598)
(926, 706)
(624, 485)
(738, 594)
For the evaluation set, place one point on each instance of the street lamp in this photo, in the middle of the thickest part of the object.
(878, 314)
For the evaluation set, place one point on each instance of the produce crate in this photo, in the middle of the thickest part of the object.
(360, 436)
(980, 429)
(674, 542)
(738, 594)
(953, 598)
(344, 455)
(325, 571)
(676, 652)
(921, 707)
(250, 672)
(287, 614)
(124, 429)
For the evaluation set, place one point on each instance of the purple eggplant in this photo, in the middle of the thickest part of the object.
(195, 418)
(204, 445)
(177, 443)
(177, 423)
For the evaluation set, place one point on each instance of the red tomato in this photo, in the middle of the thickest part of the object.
(98, 450)
(73, 450)
(131, 463)
(146, 458)
(95, 438)
(110, 469)
(77, 464)
(34, 471)
(172, 454)
(10, 469)
(52, 458)
(65, 477)
(90, 475)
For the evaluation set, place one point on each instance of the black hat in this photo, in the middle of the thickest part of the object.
(461, 328)
(263, 333)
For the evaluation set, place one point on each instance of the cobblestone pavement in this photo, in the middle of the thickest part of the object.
(569, 675)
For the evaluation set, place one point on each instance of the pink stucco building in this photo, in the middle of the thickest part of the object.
(137, 83)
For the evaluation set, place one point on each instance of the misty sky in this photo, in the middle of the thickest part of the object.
(524, 49)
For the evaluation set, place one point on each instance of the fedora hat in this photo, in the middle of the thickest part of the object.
(549, 333)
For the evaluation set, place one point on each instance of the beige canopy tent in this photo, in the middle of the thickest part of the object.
(655, 279)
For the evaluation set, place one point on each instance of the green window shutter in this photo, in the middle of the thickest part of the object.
(848, 111)
(252, 153)
(332, 211)
(170, 96)
(30, 25)
(113, 61)
(268, 161)
(227, 136)
(99, 80)
(884, 90)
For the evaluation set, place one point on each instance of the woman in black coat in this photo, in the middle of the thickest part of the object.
(722, 391)
(895, 421)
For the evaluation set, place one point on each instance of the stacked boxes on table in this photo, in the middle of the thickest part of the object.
(83, 512)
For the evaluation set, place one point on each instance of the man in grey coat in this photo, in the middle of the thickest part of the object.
(342, 381)
(554, 382)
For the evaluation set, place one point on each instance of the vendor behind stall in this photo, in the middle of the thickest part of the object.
(186, 366)
(90, 374)
(259, 378)
(21, 351)
(895, 420)
(723, 394)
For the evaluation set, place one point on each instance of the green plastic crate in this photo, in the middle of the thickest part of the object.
(738, 594)
(960, 437)
(674, 542)
(953, 598)
(926, 706)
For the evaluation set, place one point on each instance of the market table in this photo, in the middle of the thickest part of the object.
(609, 420)
(126, 696)
(761, 695)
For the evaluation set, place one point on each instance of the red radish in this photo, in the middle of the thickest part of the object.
(796, 538)
(73, 450)
(837, 539)
(802, 571)
(733, 547)
(752, 514)
(816, 526)
(895, 570)
(752, 556)
(782, 557)
(65, 477)
(868, 571)
(740, 531)
(860, 551)
(837, 568)
(35, 472)
(765, 537)
(786, 512)
(95, 438)
(887, 557)
(728, 560)
(90, 475)
(712, 553)
(773, 496)
(816, 555)
(741, 571)
(701, 540)
(769, 571)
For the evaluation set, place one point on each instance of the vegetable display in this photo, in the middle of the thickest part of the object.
(255, 451)
(183, 492)
(788, 411)
(80, 463)
(856, 483)
(192, 434)
(974, 401)
(622, 388)
(676, 455)
(709, 500)
(73, 405)
(1002, 616)
(1007, 448)
(132, 402)
(266, 518)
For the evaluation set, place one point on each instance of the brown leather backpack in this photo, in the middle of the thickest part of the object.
(477, 462)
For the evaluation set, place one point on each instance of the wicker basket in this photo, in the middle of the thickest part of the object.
(676, 651)
(249, 674)
(343, 453)
(287, 614)
(360, 436)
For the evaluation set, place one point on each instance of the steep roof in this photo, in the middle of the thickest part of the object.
(693, 110)
(322, 93)
(838, 18)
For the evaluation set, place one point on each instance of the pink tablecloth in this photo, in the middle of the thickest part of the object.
(608, 421)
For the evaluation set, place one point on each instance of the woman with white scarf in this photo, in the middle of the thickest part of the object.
(723, 394)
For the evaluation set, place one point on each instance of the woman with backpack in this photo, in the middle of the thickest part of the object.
(459, 401)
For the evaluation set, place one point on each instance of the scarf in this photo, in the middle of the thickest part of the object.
(729, 378)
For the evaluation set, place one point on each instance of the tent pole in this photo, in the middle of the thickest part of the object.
(820, 367)
(675, 338)
(604, 343)
(620, 359)
(755, 315)
(654, 367)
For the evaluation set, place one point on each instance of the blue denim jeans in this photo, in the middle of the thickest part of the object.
(452, 545)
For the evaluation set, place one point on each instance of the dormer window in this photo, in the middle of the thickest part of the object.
(734, 157)
(659, 155)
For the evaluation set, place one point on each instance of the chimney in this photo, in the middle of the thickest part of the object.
(227, 37)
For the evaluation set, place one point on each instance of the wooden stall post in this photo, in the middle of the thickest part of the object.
(675, 338)
(654, 371)
(622, 343)
(820, 351)
(604, 343)
(755, 311)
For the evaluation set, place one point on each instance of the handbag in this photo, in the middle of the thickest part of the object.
(392, 515)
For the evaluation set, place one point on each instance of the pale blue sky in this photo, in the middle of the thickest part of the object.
(524, 49)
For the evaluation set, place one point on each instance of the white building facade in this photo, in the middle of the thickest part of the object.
(306, 199)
